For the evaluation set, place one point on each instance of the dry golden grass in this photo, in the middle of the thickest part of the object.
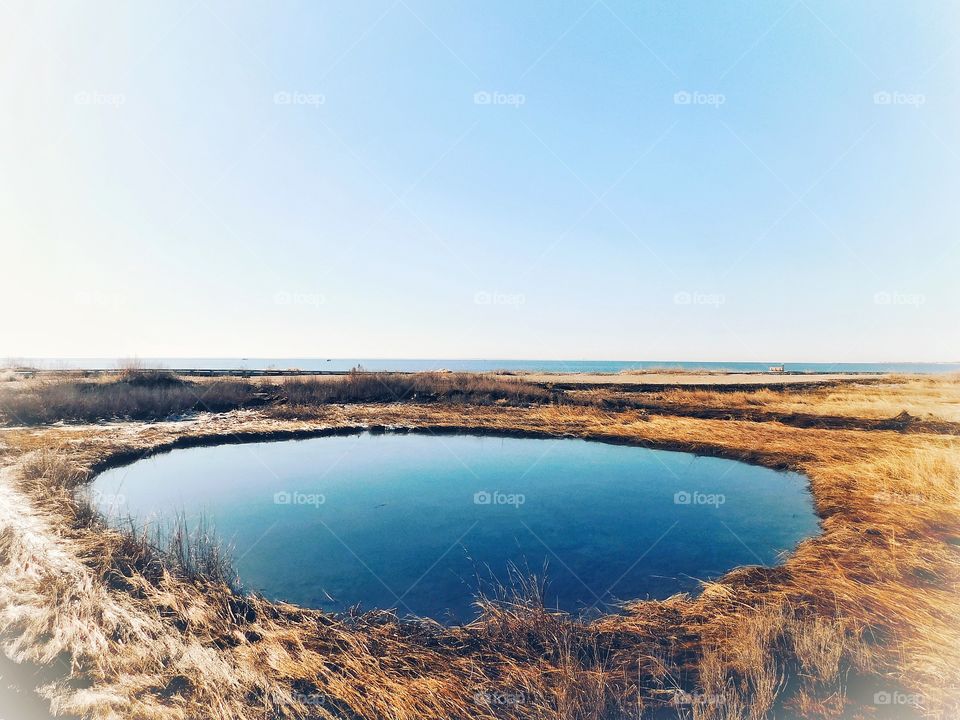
(142, 395)
(869, 606)
(136, 394)
(921, 397)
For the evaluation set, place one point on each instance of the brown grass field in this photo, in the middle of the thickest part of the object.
(861, 621)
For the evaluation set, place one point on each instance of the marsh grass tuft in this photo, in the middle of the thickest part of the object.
(360, 386)
(146, 395)
(186, 548)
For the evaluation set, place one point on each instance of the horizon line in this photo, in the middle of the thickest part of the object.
(119, 358)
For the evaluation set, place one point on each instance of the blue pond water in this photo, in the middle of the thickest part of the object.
(419, 522)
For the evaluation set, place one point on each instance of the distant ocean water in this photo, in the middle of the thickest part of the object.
(400, 365)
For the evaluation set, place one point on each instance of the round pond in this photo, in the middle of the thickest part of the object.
(421, 522)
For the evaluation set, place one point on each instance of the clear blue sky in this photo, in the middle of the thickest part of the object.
(600, 180)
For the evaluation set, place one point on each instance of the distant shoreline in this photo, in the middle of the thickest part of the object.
(633, 381)
(536, 367)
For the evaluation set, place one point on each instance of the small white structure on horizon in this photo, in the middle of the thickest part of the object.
(776, 368)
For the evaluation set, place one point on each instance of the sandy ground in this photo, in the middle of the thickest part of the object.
(689, 378)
